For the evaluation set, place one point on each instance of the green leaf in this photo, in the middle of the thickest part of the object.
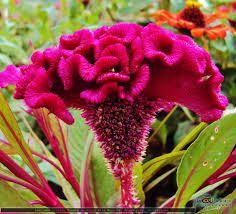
(10, 197)
(134, 7)
(182, 130)
(4, 61)
(13, 50)
(204, 157)
(176, 5)
(219, 45)
(162, 132)
(11, 130)
(26, 194)
(138, 179)
(72, 198)
(102, 181)
(47, 171)
(78, 134)
(7, 148)
(230, 42)
(199, 193)
(190, 137)
(223, 1)
(56, 128)
(151, 167)
(157, 129)
(188, 113)
(159, 179)
(85, 190)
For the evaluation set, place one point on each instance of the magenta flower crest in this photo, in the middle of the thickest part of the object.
(120, 77)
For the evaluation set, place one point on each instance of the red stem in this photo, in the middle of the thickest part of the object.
(69, 174)
(95, 186)
(32, 163)
(16, 169)
(73, 182)
(39, 192)
(85, 200)
(222, 178)
(128, 199)
(55, 147)
(27, 181)
(90, 199)
(50, 162)
(68, 167)
(231, 160)
(66, 164)
(37, 202)
(170, 203)
(40, 156)
(51, 138)
(4, 142)
(64, 143)
(71, 179)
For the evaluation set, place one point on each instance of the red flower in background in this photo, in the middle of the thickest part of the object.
(192, 19)
(120, 76)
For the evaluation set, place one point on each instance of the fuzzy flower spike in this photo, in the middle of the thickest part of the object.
(120, 77)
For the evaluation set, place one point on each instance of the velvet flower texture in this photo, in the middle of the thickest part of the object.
(120, 77)
(192, 20)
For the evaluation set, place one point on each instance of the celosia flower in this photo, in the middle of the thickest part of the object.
(193, 20)
(120, 76)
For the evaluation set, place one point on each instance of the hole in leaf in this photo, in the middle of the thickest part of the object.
(205, 163)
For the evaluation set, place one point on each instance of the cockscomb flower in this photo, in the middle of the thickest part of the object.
(192, 20)
(120, 77)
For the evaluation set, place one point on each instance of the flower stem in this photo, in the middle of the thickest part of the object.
(16, 169)
(31, 163)
(39, 192)
(64, 161)
(86, 199)
(128, 199)
(231, 175)
(49, 161)
(95, 186)
(162, 123)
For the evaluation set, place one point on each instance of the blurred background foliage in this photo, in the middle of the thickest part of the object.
(26, 26)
